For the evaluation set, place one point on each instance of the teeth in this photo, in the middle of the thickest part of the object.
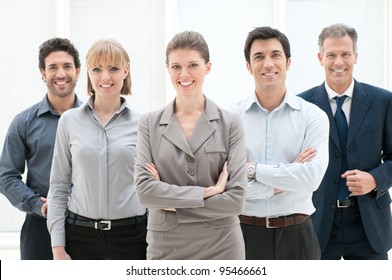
(61, 83)
(185, 83)
(105, 86)
(339, 71)
(269, 74)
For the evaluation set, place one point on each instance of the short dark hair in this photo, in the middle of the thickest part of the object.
(337, 30)
(265, 33)
(191, 40)
(54, 45)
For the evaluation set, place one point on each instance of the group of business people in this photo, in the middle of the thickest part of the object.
(276, 176)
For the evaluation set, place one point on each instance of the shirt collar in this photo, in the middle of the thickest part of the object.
(289, 99)
(45, 106)
(124, 104)
(332, 94)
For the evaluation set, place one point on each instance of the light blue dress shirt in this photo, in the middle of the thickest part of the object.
(273, 140)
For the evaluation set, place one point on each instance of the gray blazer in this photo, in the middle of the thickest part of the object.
(186, 167)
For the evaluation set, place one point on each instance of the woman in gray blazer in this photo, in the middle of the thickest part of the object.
(190, 165)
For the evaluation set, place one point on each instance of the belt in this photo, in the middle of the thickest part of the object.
(349, 202)
(77, 220)
(279, 222)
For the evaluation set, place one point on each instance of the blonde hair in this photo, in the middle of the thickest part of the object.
(108, 52)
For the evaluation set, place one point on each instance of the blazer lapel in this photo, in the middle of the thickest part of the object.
(172, 130)
(359, 107)
(321, 99)
(204, 127)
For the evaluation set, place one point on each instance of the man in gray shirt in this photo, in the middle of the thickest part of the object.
(30, 140)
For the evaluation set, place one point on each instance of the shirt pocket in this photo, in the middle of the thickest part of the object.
(214, 157)
(215, 149)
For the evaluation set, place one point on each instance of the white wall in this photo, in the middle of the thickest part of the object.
(144, 28)
(306, 18)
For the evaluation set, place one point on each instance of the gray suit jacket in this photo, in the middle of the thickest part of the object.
(187, 167)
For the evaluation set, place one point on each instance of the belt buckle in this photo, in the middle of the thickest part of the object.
(338, 205)
(103, 225)
(267, 223)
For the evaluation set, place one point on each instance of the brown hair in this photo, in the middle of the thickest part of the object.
(188, 40)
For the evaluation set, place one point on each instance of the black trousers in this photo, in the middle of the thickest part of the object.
(348, 239)
(297, 242)
(35, 239)
(119, 243)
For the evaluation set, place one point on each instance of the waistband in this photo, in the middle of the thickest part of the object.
(77, 220)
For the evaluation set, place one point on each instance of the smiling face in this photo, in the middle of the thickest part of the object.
(107, 80)
(60, 74)
(268, 65)
(187, 69)
(338, 59)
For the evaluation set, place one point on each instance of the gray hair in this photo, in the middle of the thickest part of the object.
(338, 30)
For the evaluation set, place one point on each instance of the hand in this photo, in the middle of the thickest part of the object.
(153, 171)
(59, 253)
(276, 191)
(220, 185)
(44, 208)
(306, 155)
(359, 182)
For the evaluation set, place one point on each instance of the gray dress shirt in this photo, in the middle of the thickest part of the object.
(93, 164)
(29, 143)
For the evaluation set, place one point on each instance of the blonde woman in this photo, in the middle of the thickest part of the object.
(93, 165)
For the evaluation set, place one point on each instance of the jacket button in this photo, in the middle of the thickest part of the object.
(190, 158)
(191, 172)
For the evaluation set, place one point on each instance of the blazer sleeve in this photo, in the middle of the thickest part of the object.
(382, 173)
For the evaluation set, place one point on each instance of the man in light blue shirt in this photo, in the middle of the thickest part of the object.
(286, 142)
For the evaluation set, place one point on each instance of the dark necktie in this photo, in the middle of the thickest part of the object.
(342, 126)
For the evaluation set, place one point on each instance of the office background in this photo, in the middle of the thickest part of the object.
(145, 26)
